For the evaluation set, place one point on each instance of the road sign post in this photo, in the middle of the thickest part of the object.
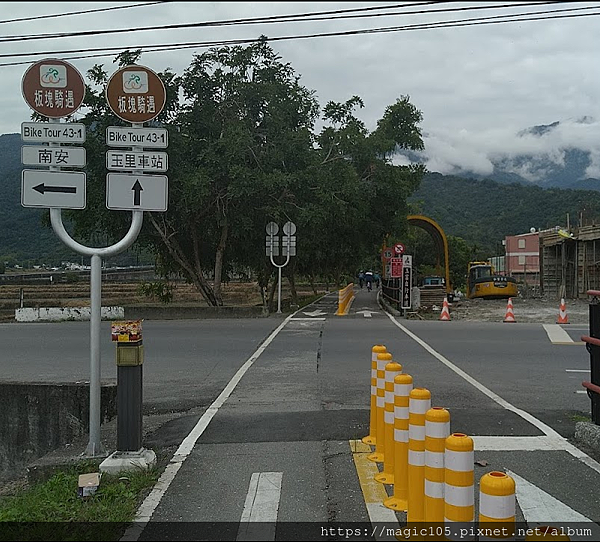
(55, 89)
(288, 249)
(137, 95)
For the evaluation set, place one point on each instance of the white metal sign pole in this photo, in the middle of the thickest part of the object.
(94, 447)
(289, 229)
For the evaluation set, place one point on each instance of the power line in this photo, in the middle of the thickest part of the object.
(420, 26)
(314, 16)
(84, 12)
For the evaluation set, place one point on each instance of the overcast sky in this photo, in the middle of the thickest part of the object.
(477, 86)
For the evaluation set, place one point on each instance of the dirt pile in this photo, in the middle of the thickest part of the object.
(534, 310)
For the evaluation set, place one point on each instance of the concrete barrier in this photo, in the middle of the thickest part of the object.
(178, 312)
(36, 418)
(58, 314)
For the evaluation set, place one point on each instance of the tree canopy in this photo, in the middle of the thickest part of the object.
(243, 151)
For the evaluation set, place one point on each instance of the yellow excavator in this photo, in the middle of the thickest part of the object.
(484, 283)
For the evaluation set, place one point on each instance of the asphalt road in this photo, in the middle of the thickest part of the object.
(293, 413)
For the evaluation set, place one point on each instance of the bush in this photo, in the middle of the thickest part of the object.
(157, 290)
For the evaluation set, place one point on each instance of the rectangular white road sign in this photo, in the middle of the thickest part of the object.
(63, 189)
(130, 192)
(118, 136)
(37, 155)
(130, 160)
(45, 132)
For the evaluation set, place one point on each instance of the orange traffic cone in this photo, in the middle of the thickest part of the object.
(562, 313)
(445, 314)
(510, 315)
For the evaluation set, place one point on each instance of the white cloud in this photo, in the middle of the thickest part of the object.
(476, 86)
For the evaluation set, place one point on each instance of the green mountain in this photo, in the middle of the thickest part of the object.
(483, 212)
(24, 240)
(26, 237)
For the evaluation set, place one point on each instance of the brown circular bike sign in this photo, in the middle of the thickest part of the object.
(53, 88)
(135, 94)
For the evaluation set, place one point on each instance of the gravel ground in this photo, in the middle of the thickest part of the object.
(533, 310)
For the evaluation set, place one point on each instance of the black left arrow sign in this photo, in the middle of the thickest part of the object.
(42, 188)
(137, 190)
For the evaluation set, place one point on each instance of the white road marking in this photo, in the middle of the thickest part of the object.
(546, 429)
(581, 391)
(557, 334)
(541, 508)
(577, 370)
(366, 313)
(524, 444)
(147, 508)
(261, 506)
(317, 312)
(308, 319)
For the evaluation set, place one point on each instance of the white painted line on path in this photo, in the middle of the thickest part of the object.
(577, 370)
(541, 508)
(581, 391)
(557, 334)
(546, 429)
(512, 444)
(147, 508)
(261, 506)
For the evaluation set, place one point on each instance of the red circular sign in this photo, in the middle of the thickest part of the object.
(53, 88)
(135, 94)
(398, 248)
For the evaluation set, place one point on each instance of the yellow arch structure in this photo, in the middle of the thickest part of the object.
(439, 238)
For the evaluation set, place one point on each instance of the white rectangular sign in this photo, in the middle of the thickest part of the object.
(63, 189)
(130, 160)
(130, 192)
(118, 136)
(45, 132)
(34, 155)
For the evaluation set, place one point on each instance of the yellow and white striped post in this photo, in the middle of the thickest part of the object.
(459, 495)
(371, 438)
(437, 430)
(403, 384)
(382, 360)
(387, 475)
(497, 506)
(418, 405)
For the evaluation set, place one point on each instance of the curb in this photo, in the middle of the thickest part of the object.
(588, 433)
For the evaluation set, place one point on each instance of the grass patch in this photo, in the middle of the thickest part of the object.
(52, 510)
(580, 418)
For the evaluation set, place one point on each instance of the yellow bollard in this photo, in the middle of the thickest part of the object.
(497, 506)
(403, 384)
(419, 404)
(546, 532)
(459, 494)
(371, 438)
(437, 430)
(387, 475)
(382, 360)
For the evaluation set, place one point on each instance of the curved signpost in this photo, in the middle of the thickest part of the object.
(55, 89)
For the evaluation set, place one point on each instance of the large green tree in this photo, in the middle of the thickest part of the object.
(242, 153)
(358, 194)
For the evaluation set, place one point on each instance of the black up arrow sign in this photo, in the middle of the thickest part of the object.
(137, 190)
(42, 188)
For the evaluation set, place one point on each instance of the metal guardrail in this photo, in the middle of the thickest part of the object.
(391, 289)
